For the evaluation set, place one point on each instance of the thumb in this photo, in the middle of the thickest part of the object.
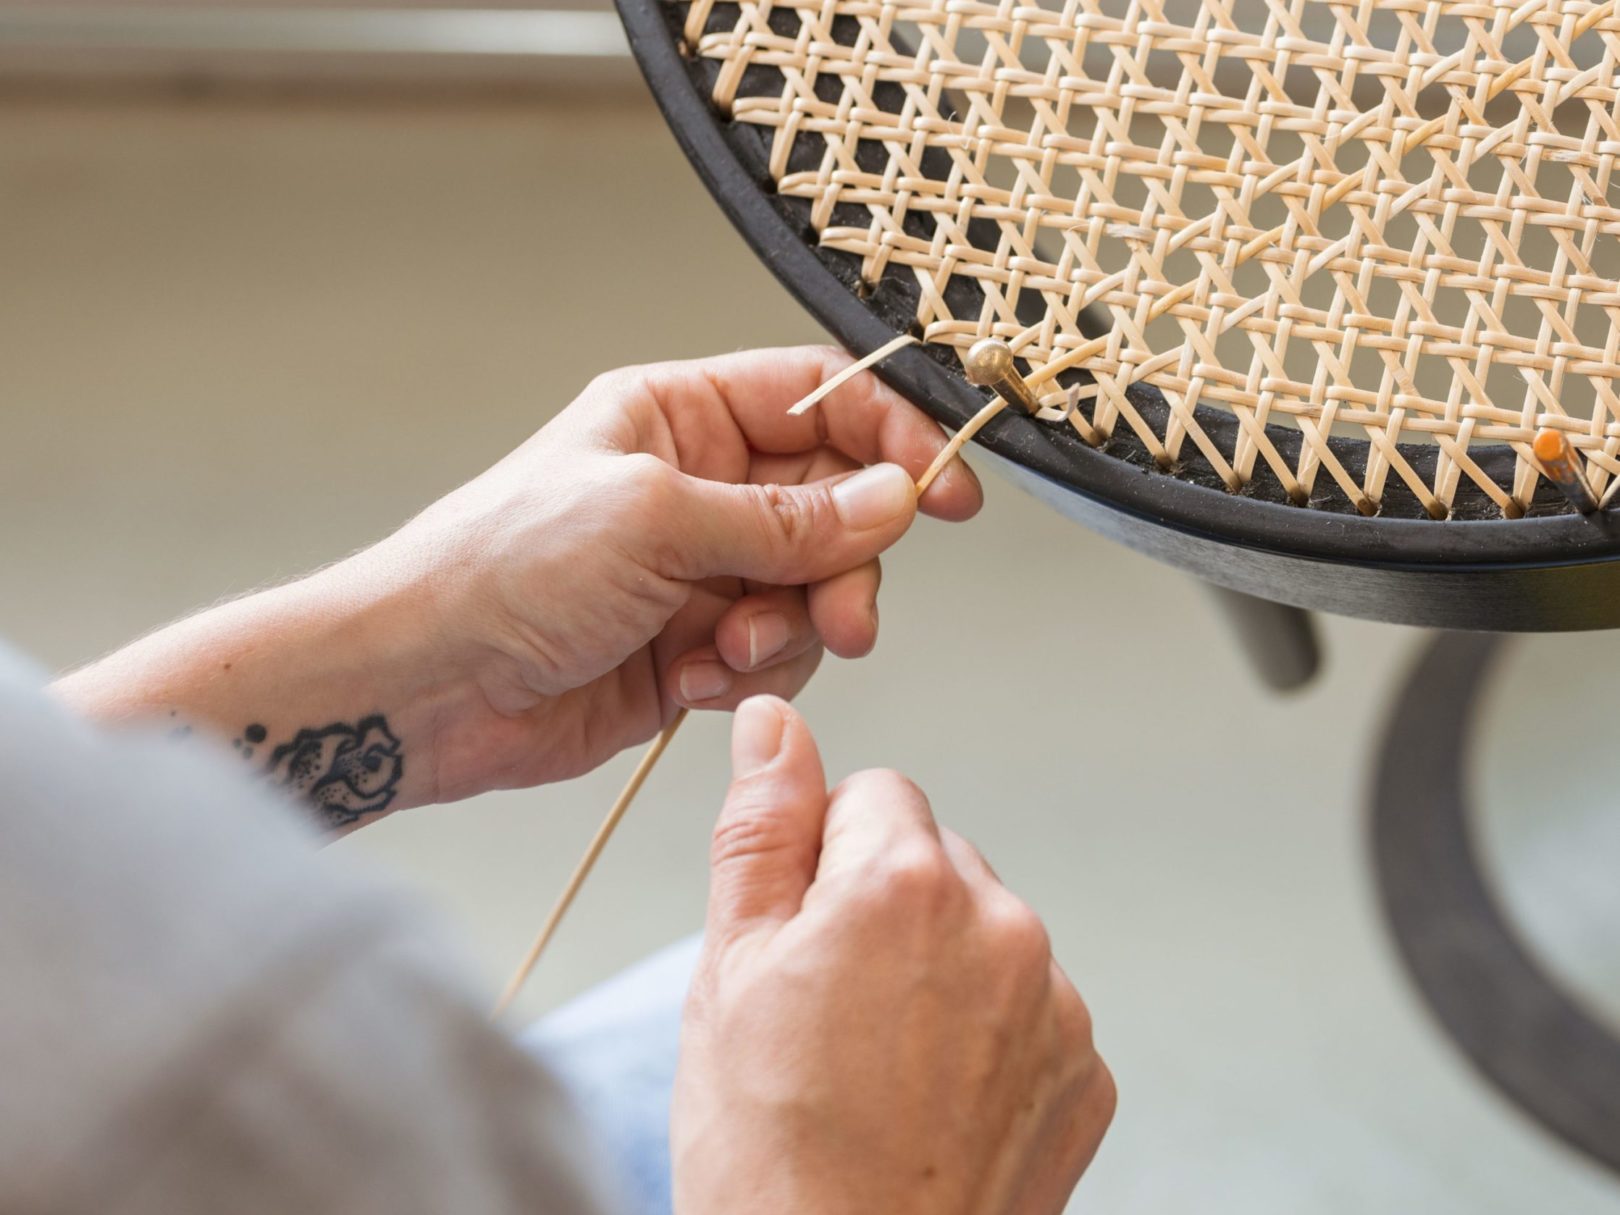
(768, 838)
(793, 534)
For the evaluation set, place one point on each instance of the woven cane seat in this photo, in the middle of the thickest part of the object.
(1307, 277)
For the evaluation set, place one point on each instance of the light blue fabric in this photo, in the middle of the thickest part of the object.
(614, 1050)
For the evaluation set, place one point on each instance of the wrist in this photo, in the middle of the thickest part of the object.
(374, 664)
(333, 687)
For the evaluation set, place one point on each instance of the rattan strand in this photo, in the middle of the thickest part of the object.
(660, 743)
(1390, 221)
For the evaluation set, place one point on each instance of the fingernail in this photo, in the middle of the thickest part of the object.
(873, 496)
(756, 735)
(767, 634)
(704, 681)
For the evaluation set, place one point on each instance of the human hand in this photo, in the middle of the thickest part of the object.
(876, 1024)
(673, 538)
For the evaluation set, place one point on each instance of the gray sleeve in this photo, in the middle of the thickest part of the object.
(199, 1014)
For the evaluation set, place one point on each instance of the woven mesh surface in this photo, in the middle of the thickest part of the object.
(1392, 223)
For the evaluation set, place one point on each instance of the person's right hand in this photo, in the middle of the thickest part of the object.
(876, 1024)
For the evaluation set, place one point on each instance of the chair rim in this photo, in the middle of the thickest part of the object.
(1157, 500)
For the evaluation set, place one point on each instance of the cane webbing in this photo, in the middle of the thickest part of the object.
(1389, 222)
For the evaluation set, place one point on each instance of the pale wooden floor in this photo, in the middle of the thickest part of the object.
(238, 340)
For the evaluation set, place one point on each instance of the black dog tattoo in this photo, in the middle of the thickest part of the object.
(344, 771)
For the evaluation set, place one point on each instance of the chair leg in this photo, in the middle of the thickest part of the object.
(1280, 640)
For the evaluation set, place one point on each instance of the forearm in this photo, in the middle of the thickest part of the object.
(324, 687)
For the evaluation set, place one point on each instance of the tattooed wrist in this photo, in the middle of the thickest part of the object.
(343, 771)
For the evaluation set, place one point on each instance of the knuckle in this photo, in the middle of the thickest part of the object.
(1106, 1092)
(918, 878)
(714, 376)
(748, 827)
(1017, 932)
(883, 786)
(604, 382)
(1073, 1019)
(614, 383)
(963, 847)
(831, 359)
(821, 360)
(791, 517)
(639, 494)
(1095, 1101)
(644, 474)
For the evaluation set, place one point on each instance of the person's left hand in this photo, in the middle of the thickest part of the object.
(673, 538)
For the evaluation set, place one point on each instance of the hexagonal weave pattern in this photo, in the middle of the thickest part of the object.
(1394, 223)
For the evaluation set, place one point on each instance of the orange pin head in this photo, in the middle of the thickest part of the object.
(1550, 446)
(1558, 459)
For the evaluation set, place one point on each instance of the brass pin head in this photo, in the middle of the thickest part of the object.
(989, 364)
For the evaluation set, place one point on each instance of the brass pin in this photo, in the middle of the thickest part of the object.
(1563, 468)
(989, 364)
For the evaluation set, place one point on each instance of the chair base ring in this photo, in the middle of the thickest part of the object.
(1511, 1019)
